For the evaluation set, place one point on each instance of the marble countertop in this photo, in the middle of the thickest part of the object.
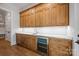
(47, 35)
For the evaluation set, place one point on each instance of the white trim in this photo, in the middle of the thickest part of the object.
(8, 11)
(5, 9)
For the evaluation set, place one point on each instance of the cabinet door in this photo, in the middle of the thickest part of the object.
(62, 14)
(59, 14)
(46, 15)
(43, 15)
(30, 42)
(33, 43)
(60, 47)
(26, 19)
(23, 19)
(32, 17)
(53, 15)
(38, 15)
(27, 41)
(20, 21)
(20, 39)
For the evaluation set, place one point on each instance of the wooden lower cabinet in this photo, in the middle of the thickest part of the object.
(26, 41)
(60, 47)
(19, 39)
(56, 46)
(30, 42)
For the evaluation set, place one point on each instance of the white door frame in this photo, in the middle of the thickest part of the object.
(11, 12)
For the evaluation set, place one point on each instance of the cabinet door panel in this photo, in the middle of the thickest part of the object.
(20, 39)
(67, 14)
(21, 21)
(24, 21)
(26, 41)
(32, 17)
(60, 47)
(62, 18)
(37, 20)
(53, 15)
(33, 43)
(43, 15)
(38, 15)
(46, 16)
(27, 20)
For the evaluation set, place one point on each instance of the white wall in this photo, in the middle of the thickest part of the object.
(74, 22)
(14, 19)
(2, 20)
(2, 30)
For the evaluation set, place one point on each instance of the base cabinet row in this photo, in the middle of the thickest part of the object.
(56, 46)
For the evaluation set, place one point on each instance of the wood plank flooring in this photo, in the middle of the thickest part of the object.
(7, 50)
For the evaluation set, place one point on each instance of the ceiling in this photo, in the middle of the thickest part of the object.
(22, 6)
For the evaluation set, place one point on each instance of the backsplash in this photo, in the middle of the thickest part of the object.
(27, 30)
(52, 30)
(57, 30)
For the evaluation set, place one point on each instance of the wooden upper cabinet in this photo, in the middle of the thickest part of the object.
(32, 17)
(38, 15)
(22, 20)
(27, 18)
(53, 14)
(43, 15)
(60, 15)
(46, 15)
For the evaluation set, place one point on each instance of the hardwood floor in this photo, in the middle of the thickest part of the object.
(7, 50)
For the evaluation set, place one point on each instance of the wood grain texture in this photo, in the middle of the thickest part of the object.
(56, 46)
(23, 19)
(62, 14)
(7, 50)
(46, 15)
(27, 41)
(60, 47)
